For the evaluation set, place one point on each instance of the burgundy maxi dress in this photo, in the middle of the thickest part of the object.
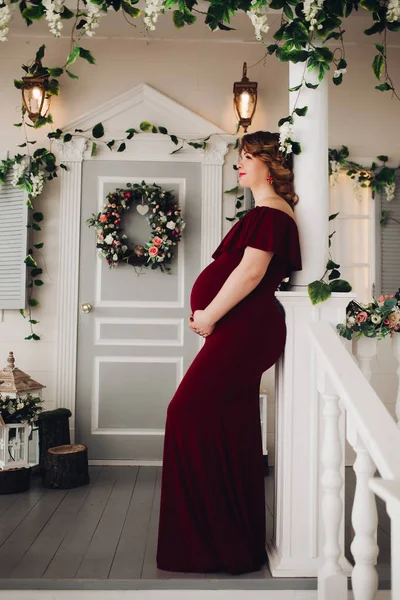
(212, 514)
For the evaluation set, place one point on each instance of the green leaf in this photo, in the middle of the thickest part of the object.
(331, 217)
(62, 166)
(272, 48)
(38, 282)
(18, 83)
(295, 88)
(30, 261)
(35, 337)
(301, 112)
(33, 13)
(17, 124)
(163, 130)
(340, 285)
(36, 227)
(22, 145)
(33, 302)
(67, 14)
(232, 190)
(94, 148)
(318, 291)
(73, 56)
(131, 133)
(122, 147)
(36, 272)
(110, 144)
(33, 321)
(174, 139)
(296, 148)
(383, 87)
(29, 337)
(38, 217)
(332, 265)
(377, 65)
(53, 88)
(98, 130)
(370, 5)
(67, 137)
(87, 55)
(284, 120)
(380, 48)
(23, 312)
(288, 11)
(56, 72)
(131, 10)
(40, 53)
(145, 126)
(383, 157)
(178, 18)
(72, 75)
(335, 274)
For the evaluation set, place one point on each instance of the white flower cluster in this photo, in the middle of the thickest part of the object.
(285, 133)
(393, 11)
(94, 12)
(5, 16)
(54, 9)
(18, 171)
(390, 190)
(259, 21)
(310, 10)
(356, 186)
(335, 168)
(37, 184)
(152, 11)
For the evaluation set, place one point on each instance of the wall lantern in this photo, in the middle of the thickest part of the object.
(245, 99)
(36, 100)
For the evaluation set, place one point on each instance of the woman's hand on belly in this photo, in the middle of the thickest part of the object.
(200, 323)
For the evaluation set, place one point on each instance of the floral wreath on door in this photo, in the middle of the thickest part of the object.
(164, 218)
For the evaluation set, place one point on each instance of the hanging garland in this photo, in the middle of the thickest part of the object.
(164, 219)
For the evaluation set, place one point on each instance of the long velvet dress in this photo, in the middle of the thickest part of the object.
(212, 514)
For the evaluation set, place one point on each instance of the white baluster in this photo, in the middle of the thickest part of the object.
(396, 352)
(366, 351)
(364, 518)
(332, 582)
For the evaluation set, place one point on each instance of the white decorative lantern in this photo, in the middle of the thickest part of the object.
(14, 437)
(14, 446)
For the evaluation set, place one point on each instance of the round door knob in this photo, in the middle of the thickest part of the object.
(86, 308)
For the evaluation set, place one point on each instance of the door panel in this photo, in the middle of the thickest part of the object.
(134, 345)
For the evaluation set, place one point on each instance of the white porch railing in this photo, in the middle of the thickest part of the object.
(375, 438)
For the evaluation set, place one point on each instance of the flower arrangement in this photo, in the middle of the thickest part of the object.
(379, 318)
(164, 219)
(20, 410)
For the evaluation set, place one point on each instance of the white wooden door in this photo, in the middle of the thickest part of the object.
(134, 346)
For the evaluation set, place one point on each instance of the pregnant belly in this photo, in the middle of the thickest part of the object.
(212, 278)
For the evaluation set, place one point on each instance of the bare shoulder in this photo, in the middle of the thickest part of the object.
(282, 205)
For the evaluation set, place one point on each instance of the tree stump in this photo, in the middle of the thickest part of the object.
(53, 428)
(65, 467)
(14, 481)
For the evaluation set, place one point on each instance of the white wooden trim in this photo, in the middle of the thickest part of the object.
(101, 341)
(95, 404)
(72, 154)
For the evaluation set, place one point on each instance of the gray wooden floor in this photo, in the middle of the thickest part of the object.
(104, 536)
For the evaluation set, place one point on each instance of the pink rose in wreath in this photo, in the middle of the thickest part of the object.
(103, 219)
(362, 317)
(153, 251)
(157, 241)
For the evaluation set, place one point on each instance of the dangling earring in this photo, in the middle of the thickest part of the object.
(270, 179)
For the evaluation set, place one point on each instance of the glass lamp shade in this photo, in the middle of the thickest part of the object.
(245, 99)
(35, 98)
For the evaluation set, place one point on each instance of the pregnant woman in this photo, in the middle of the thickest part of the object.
(212, 514)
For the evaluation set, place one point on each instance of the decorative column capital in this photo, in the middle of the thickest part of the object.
(71, 151)
(214, 153)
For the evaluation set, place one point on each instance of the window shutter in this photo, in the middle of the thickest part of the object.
(13, 245)
(390, 244)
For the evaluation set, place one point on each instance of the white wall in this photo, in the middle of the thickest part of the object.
(199, 75)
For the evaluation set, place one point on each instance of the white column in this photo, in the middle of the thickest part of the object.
(332, 582)
(71, 154)
(297, 548)
(364, 518)
(311, 174)
(396, 352)
(211, 218)
(366, 349)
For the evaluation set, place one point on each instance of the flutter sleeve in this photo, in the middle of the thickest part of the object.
(271, 229)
